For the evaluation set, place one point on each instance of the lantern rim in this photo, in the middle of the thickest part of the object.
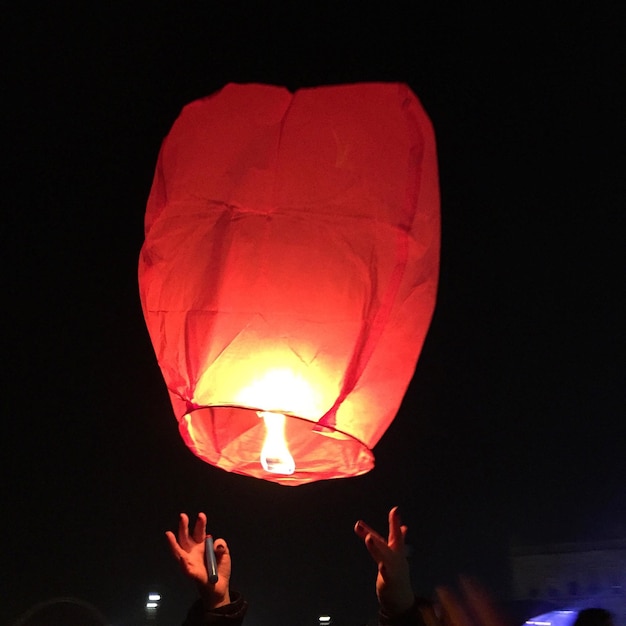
(232, 435)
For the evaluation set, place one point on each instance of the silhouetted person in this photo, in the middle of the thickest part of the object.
(594, 617)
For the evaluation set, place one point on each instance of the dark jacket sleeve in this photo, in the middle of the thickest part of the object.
(413, 617)
(228, 615)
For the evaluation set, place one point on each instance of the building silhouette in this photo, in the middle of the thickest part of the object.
(571, 576)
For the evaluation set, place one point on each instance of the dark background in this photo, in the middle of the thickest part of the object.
(512, 430)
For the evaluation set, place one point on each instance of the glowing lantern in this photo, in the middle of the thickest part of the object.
(289, 272)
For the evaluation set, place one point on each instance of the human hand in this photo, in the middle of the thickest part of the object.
(393, 583)
(188, 549)
(474, 608)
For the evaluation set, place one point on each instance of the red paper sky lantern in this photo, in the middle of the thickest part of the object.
(290, 269)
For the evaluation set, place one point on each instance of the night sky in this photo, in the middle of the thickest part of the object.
(512, 430)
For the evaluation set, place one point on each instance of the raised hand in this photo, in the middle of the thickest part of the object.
(393, 583)
(188, 549)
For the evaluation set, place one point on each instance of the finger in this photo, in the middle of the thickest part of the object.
(377, 547)
(362, 530)
(183, 532)
(454, 612)
(222, 558)
(199, 529)
(173, 544)
(396, 536)
(220, 546)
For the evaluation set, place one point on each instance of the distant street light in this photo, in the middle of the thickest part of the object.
(152, 605)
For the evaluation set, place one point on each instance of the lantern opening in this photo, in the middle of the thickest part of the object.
(275, 455)
(233, 437)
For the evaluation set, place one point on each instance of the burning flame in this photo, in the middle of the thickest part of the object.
(275, 455)
(279, 389)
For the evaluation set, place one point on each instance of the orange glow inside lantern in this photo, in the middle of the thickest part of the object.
(278, 388)
(289, 273)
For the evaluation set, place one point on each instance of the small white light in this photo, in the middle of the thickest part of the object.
(152, 605)
(154, 597)
(324, 619)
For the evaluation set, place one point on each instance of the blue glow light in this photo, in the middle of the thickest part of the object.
(554, 618)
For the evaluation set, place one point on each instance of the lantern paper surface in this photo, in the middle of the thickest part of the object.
(290, 267)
